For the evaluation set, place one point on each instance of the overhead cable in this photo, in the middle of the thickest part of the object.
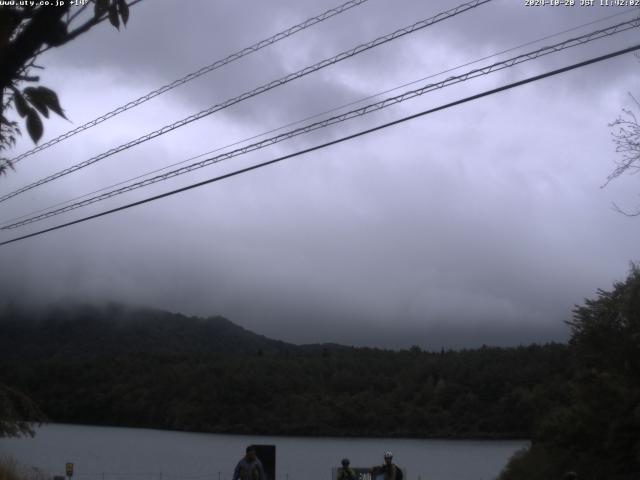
(497, 66)
(193, 75)
(311, 117)
(332, 142)
(276, 83)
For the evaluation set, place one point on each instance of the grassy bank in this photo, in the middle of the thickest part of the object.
(10, 469)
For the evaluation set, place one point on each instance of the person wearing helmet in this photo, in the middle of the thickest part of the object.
(346, 472)
(390, 470)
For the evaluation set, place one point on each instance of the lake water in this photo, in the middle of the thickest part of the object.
(105, 453)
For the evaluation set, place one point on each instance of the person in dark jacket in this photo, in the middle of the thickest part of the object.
(249, 467)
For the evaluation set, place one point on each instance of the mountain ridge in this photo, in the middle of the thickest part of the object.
(85, 331)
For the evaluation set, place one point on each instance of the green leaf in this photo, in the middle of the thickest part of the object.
(35, 99)
(21, 104)
(123, 8)
(113, 16)
(34, 125)
(50, 99)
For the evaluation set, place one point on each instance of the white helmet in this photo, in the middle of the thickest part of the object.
(388, 454)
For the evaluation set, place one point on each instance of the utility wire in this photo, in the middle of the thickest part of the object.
(276, 83)
(339, 118)
(193, 75)
(282, 127)
(334, 142)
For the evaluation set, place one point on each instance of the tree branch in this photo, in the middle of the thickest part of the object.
(18, 53)
(88, 25)
(625, 213)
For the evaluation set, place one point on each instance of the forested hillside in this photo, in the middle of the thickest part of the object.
(595, 431)
(118, 366)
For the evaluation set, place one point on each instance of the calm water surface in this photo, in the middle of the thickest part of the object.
(106, 453)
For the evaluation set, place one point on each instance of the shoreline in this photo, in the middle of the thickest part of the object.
(487, 438)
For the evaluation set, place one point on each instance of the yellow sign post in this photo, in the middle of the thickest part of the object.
(69, 468)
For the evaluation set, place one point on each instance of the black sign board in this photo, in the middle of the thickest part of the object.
(267, 455)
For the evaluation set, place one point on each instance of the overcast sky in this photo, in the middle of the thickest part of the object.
(483, 223)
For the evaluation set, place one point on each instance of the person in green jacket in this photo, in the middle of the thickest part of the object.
(346, 472)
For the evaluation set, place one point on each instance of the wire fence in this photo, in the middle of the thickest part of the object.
(219, 475)
(150, 476)
(226, 475)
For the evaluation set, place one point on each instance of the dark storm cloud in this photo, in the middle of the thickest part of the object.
(480, 224)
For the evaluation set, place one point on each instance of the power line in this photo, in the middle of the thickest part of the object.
(193, 75)
(497, 66)
(355, 102)
(286, 79)
(334, 142)
(348, 115)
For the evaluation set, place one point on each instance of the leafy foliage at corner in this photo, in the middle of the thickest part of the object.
(146, 368)
(28, 29)
(17, 413)
(597, 431)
